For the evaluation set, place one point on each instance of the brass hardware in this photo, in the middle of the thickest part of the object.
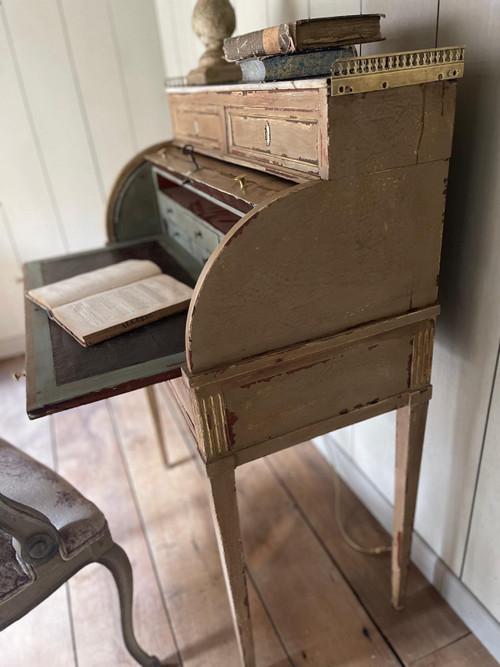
(241, 180)
(176, 82)
(19, 375)
(392, 70)
(267, 133)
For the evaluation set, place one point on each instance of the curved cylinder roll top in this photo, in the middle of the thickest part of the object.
(319, 259)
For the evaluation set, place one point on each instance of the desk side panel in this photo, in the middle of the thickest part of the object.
(131, 208)
(391, 128)
(300, 392)
(321, 259)
(348, 379)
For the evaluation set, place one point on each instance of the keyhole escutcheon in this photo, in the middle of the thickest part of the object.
(267, 133)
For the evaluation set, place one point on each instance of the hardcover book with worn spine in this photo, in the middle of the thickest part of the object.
(304, 35)
(104, 303)
(295, 66)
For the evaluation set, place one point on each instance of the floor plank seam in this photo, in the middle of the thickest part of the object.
(298, 480)
(268, 614)
(71, 624)
(55, 465)
(143, 528)
(302, 514)
(168, 405)
(441, 648)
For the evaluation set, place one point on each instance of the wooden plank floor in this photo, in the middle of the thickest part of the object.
(314, 600)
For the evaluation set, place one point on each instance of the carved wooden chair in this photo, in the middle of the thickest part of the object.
(49, 531)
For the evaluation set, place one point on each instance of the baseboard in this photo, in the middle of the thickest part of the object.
(453, 590)
(11, 347)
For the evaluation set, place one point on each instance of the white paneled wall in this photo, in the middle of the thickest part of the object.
(459, 503)
(82, 91)
(482, 558)
(407, 25)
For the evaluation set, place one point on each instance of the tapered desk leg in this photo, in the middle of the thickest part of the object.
(410, 429)
(227, 528)
(155, 412)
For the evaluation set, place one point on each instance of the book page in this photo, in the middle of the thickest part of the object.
(126, 307)
(93, 282)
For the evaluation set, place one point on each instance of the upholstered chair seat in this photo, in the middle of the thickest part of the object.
(26, 481)
(49, 531)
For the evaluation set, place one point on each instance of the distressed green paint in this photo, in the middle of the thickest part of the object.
(48, 393)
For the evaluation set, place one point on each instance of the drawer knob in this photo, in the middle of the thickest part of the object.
(267, 133)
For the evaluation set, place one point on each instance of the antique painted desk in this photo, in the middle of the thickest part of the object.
(308, 216)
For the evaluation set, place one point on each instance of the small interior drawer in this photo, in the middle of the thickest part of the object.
(198, 125)
(188, 230)
(180, 236)
(285, 138)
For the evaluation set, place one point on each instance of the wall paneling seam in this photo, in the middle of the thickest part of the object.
(55, 466)
(34, 133)
(10, 236)
(164, 62)
(361, 11)
(71, 622)
(478, 471)
(81, 102)
(437, 24)
(123, 83)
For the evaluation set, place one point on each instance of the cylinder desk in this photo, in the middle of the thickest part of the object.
(308, 217)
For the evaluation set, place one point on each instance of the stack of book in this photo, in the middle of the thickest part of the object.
(300, 49)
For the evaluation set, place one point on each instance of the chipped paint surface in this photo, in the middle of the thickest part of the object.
(231, 419)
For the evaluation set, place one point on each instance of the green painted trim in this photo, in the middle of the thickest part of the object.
(48, 392)
(51, 393)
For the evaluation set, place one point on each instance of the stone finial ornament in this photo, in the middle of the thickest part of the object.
(212, 21)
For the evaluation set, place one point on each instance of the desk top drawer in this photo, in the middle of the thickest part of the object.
(282, 131)
(284, 138)
(200, 125)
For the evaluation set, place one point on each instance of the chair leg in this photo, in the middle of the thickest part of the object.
(155, 411)
(410, 429)
(227, 528)
(117, 562)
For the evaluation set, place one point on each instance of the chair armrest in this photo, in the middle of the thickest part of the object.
(35, 538)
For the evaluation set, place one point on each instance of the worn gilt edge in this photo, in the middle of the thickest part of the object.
(213, 425)
(297, 355)
(423, 345)
(392, 70)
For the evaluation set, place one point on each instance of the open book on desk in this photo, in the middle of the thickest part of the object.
(101, 304)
